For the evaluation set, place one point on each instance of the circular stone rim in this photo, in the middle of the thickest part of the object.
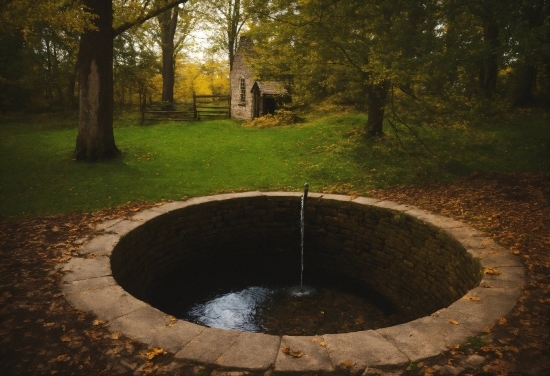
(88, 285)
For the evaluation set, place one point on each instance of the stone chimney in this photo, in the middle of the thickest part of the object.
(245, 44)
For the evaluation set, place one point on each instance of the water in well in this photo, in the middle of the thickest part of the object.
(258, 295)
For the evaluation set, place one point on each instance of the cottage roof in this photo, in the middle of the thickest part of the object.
(270, 88)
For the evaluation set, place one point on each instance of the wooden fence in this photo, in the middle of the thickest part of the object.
(202, 107)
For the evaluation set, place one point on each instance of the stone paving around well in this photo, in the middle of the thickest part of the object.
(89, 286)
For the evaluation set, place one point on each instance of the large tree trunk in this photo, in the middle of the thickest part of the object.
(168, 22)
(523, 93)
(95, 138)
(377, 96)
(488, 73)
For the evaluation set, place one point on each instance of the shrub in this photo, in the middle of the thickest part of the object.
(279, 118)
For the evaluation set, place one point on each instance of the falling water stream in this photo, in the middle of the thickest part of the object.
(302, 290)
(302, 228)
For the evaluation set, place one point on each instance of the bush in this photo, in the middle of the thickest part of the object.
(279, 118)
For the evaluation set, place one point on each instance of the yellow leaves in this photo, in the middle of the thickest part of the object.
(454, 322)
(471, 298)
(322, 343)
(172, 322)
(491, 271)
(292, 353)
(347, 363)
(502, 321)
(115, 335)
(97, 322)
(155, 352)
(66, 339)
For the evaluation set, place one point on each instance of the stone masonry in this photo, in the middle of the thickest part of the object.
(424, 263)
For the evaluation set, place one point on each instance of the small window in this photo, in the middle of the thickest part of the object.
(242, 86)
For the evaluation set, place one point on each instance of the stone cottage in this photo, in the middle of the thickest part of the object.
(250, 98)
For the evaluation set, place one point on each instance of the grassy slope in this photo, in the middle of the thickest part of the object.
(169, 161)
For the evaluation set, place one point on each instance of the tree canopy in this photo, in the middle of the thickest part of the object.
(389, 58)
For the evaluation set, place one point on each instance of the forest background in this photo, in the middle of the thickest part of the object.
(431, 57)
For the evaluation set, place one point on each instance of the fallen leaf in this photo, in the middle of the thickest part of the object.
(66, 339)
(502, 321)
(492, 271)
(63, 358)
(314, 340)
(292, 353)
(172, 322)
(97, 322)
(454, 322)
(323, 344)
(347, 363)
(155, 352)
(115, 335)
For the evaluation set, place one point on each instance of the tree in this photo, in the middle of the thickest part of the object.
(227, 17)
(531, 50)
(350, 51)
(135, 65)
(39, 44)
(95, 139)
(170, 22)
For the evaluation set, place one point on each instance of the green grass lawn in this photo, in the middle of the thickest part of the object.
(171, 161)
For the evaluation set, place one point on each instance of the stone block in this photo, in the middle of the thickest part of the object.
(107, 302)
(84, 268)
(124, 227)
(253, 351)
(314, 357)
(365, 201)
(509, 277)
(208, 346)
(87, 284)
(394, 206)
(146, 215)
(152, 326)
(426, 337)
(488, 303)
(360, 350)
(102, 244)
(109, 223)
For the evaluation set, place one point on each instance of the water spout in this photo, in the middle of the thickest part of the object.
(302, 291)
(302, 228)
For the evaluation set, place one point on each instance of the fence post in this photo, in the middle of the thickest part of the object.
(195, 113)
(142, 105)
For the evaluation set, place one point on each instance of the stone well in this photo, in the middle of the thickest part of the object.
(426, 265)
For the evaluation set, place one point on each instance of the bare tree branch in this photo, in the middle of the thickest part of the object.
(153, 13)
